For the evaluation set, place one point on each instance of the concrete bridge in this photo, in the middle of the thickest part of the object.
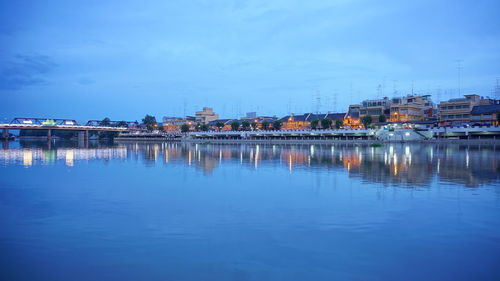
(50, 124)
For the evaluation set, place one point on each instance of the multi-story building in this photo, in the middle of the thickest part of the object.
(411, 108)
(375, 108)
(486, 114)
(457, 111)
(206, 115)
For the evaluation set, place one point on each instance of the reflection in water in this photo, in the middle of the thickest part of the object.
(401, 164)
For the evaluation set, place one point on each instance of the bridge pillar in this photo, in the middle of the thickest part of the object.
(5, 133)
(83, 138)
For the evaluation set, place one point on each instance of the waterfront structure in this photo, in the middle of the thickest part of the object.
(458, 111)
(352, 119)
(205, 116)
(411, 108)
(486, 114)
(299, 122)
(375, 108)
(173, 124)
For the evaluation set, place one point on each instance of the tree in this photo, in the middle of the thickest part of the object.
(338, 123)
(326, 123)
(254, 125)
(245, 125)
(235, 126)
(204, 127)
(265, 125)
(382, 118)
(366, 120)
(106, 122)
(219, 125)
(184, 128)
(149, 121)
(314, 124)
(277, 125)
(122, 124)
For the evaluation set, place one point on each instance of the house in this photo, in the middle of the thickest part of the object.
(301, 122)
(486, 114)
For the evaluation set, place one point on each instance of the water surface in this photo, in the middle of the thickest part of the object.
(171, 211)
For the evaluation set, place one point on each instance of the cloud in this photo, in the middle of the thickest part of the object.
(24, 71)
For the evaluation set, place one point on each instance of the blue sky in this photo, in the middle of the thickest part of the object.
(92, 59)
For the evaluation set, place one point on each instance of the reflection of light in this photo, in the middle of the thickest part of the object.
(290, 162)
(348, 166)
(439, 162)
(70, 156)
(391, 149)
(256, 156)
(166, 156)
(189, 158)
(467, 158)
(407, 150)
(27, 157)
(312, 150)
(407, 134)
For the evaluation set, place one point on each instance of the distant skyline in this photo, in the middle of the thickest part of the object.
(122, 60)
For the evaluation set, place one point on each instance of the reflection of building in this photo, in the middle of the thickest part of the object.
(206, 115)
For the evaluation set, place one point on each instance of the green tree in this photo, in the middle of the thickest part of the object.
(338, 123)
(314, 124)
(204, 127)
(277, 125)
(245, 125)
(122, 124)
(219, 125)
(184, 128)
(150, 122)
(254, 125)
(366, 120)
(265, 125)
(382, 118)
(235, 126)
(106, 122)
(326, 123)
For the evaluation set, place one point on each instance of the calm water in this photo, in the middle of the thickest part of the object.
(249, 212)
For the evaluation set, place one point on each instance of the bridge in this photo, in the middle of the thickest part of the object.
(50, 124)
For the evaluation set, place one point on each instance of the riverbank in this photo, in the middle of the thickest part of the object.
(343, 141)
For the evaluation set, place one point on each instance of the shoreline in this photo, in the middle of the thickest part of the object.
(359, 141)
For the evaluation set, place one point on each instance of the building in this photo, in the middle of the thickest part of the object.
(411, 108)
(352, 119)
(173, 124)
(206, 115)
(458, 111)
(301, 122)
(486, 114)
(375, 108)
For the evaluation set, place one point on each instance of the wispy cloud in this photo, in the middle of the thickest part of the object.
(25, 70)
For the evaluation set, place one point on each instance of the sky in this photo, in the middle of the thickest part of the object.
(123, 59)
